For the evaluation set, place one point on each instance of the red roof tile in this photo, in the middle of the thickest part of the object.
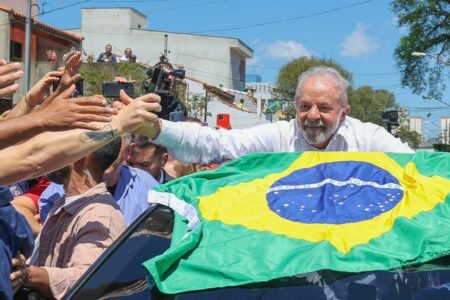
(42, 26)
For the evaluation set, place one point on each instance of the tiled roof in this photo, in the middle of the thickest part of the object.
(42, 26)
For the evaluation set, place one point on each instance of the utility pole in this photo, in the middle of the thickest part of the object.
(27, 62)
(166, 38)
(206, 106)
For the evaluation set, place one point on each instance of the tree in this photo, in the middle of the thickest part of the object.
(413, 138)
(428, 22)
(367, 104)
(288, 75)
(441, 147)
(95, 74)
(196, 105)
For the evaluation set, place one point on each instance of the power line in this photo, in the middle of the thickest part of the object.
(62, 7)
(287, 19)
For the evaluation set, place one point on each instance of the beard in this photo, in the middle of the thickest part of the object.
(316, 133)
(60, 176)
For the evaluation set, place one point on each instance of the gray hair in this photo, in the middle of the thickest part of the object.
(341, 83)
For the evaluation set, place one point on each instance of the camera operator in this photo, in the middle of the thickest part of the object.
(161, 81)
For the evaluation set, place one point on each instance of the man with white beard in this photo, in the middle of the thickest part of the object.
(321, 124)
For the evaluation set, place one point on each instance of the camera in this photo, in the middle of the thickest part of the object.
(79, 87)
(159, 81)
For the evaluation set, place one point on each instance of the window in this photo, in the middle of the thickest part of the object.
(15, 51)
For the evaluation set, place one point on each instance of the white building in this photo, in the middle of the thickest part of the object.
(416, 124)
(445, 130)
(217, 60)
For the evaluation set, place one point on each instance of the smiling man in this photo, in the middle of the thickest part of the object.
(322, 124)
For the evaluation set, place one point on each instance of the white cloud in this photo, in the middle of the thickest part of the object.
(286, 49)
(256, 41)
(358, 43)
(401, 29)
(254, 60)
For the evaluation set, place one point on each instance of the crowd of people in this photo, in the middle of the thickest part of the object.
(76, 172)
(105, 57)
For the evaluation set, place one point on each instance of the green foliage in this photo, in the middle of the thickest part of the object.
(289, 111)
(413, 138)
(367, 104)
(195, 105)
(95, 73)
(288, 75)
(441, 147)
(428, 22)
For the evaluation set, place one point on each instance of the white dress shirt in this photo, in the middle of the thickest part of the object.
(190, 142)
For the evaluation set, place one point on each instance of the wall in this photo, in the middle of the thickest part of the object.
(38, 70)
(5, 34)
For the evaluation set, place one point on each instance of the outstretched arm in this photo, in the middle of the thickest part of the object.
(50, 151)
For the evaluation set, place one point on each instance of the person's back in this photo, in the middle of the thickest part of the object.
(80, 226)
(130, 194)
(75, 234)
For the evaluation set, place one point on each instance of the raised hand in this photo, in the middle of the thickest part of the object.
(138, 115)
(8, 74)
(71, 71)
(41, 90)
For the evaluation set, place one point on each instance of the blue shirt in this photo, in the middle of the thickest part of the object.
(131, 194)
(15, 236)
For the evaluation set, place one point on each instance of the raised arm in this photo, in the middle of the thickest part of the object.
(50, 151)
(190, 142)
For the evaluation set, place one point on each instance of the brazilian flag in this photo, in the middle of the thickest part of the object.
(273, 215)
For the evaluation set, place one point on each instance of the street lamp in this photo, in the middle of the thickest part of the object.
(421, 54)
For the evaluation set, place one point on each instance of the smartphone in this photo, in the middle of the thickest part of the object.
(111, 89)
(79, 87)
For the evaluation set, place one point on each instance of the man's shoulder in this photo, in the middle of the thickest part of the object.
(98, 205)
(138, 175)
(358, 127)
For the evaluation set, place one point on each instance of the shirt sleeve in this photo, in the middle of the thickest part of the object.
(383, 141)
(96, 231)
(190, 142)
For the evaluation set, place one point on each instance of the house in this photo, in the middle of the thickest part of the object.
(43, 37)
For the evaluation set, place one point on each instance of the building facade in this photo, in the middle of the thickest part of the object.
(217, 60)
(445, 130)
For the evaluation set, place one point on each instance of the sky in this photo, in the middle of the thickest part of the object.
(360, 35)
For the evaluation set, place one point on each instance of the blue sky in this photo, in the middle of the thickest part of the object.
(359, 35)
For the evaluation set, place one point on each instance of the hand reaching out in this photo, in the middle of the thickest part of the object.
(138, 115)
(8, 74)
(64, 112)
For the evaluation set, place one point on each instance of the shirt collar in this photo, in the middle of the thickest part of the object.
(341, 133)
(78, 201)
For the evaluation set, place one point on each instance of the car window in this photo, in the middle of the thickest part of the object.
(118, 273)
